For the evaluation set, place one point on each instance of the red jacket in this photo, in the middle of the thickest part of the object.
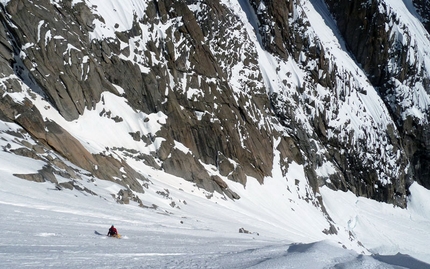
(112, 231)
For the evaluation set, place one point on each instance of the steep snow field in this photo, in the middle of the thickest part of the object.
(43, 227)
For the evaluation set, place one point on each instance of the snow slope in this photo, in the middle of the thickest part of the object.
(44, 227)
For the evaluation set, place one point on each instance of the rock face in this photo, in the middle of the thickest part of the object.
(423, 9)
(341, 146)
(388, 57)
(203, 64)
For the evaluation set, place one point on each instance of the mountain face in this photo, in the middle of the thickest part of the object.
(212, 91)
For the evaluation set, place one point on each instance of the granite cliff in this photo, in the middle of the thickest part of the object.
(220, 91)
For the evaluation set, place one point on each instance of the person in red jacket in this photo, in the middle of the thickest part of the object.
(112, 231)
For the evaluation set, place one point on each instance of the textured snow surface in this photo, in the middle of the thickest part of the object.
(43, 227)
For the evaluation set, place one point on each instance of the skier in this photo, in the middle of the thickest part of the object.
(112, 231)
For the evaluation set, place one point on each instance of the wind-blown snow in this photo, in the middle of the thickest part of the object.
(383, 228)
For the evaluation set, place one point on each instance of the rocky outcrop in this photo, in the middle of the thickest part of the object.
(423, 9)
(58, 63)
(71, 71)
(394, 68)
(199, 64)
(343, 151)
(213, 122)
(52, 137)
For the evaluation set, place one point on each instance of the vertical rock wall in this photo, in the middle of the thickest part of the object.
(392, 61)
(196, 63)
